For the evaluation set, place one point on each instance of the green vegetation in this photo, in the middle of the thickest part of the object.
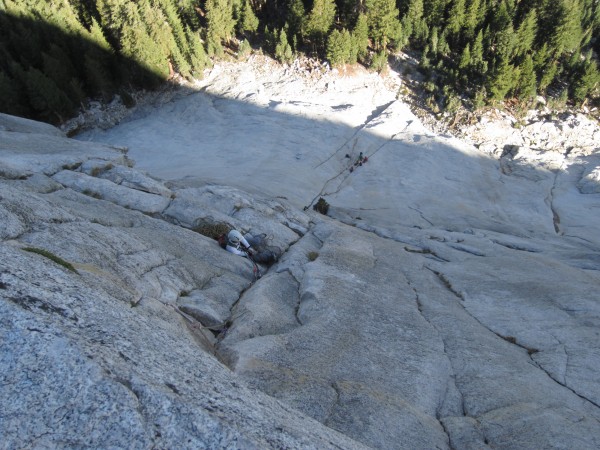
(511, 49)
(54, 56)
(212, 230)
(51, 256)
(321, 206)
(312, 256)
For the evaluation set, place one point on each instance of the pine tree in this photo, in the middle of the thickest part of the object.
(590, 21)
(283, 50)
(97, 38)
(198, 59)
(472, 18)
(339, 46)
(249, 21)
(176, 25)
(236, 8)
(59, 69)
(587, 80)
(478, 64)
(456, 17)
(548, 76)
(384, 26)
(45, 97)
(414, 28)
(296, 17)
(465, 58)
(360, 35)
(434, 41)
(560, 25)
(379, 61)
(541, 58)
(443, 49)
(526, 33)
(545, 67)
(503, 31)
(527, 84)
(220, 24)
(501, 82)
(11, 101)
(425, 62)
(319, 21)
(112, 20)
(434, 11)
(97, 63)
(145, 39)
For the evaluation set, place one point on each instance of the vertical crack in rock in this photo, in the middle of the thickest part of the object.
(378, 111)
(344, 171)
(421, 215)
(530, 351)
(553, 378)
(450, 446)
(448, 285)
(297, 308)
(322, 191)
(550, 202)
(420, 308)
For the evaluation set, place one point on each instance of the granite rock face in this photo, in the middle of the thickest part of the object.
(123, 327)
(94, 350)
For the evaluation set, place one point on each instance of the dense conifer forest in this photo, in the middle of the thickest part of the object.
(57, 54)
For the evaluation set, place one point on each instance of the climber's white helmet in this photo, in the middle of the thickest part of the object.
(234, 237)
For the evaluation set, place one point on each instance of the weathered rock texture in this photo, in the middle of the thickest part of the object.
(101, 356)
(418, 326)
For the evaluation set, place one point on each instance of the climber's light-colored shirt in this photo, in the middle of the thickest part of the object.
(236, 249)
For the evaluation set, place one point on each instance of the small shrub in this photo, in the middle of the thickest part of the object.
(91, 193)
(379, 62)
(212, 230)
(283, 50)
(429, 87)
(128, 101)
(479, 100)
(312, 256)
(51, 256)
(98, 170)
(73, 166)
(244, 49)
(321, 206)
(452, 103)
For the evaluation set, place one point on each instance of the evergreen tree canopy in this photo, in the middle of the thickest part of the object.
(319, 21)
(383, 21)
(249, 21)
(220, 23)
(55, 55)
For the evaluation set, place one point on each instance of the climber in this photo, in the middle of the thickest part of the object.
(359, 161)
(237, 244)
(250, 247)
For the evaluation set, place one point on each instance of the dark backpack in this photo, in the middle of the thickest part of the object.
(222, 240)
